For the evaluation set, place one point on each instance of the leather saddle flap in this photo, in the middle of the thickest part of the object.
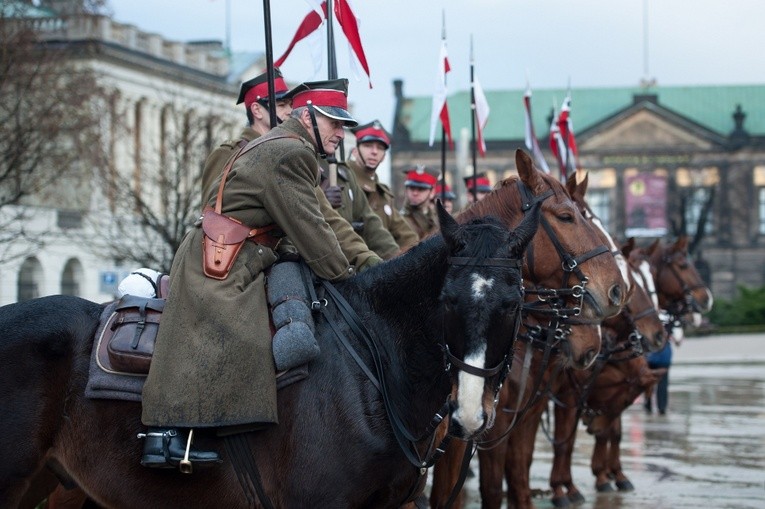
(128, 339)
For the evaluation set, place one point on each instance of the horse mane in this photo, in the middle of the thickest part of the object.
(505, 200)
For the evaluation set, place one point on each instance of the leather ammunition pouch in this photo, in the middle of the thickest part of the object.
(223, 239)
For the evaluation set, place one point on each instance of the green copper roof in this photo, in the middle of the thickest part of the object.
(710, 106)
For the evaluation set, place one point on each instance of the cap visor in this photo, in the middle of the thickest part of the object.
(421, 185)
(336, 113)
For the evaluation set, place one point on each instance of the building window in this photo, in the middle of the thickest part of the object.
(71, 277)
(30, 280)
(761, 207)
(696, 200)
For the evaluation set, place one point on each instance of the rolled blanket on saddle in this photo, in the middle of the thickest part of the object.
(294, 342)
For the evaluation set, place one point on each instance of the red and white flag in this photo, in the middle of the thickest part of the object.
(556, 145)
(348, 22)
(440, 109)
(570, 155)
(481, 114)
(532, 143)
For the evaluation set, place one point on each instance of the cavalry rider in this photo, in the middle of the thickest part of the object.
(254, 95)
(372, 144)
(446, 195)
(350, 201)
(213, 365)
(418, 210)
(481, 184)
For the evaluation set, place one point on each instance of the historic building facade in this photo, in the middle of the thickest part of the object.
(146, 81)
(660, 161)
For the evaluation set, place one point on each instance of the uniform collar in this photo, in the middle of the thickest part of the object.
(368, 183)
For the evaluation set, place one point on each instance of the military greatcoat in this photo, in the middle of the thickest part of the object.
(356, 210)
(217, 160)
(382, 201)
(213, 365)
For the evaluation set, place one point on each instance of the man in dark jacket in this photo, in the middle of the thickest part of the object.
(213, 365)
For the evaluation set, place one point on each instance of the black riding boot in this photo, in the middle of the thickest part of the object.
(166, 448)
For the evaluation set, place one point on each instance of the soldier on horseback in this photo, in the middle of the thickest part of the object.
(213, 365)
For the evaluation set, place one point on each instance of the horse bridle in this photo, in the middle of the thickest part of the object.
(688, 303)
(551, 302)
(407, 441)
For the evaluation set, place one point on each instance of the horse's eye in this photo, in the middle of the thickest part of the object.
(566, 217)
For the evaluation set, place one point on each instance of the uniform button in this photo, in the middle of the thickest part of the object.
(260, 250)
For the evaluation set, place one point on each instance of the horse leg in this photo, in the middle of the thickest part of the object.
(519, 457)
(599, 463)
(614, 458)
(446, 473)
(561, 482)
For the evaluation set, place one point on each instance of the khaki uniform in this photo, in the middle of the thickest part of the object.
(356, 210)
(382, 201)
(217, 160)
(422, 219)
(213, 365)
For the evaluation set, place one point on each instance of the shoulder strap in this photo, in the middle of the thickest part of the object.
(242, 150)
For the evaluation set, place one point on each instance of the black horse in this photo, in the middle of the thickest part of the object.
(437, 336)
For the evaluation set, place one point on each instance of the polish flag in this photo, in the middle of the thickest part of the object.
(440, 109)
(532, 143)
(481, 114)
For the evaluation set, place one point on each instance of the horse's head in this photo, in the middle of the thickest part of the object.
(641, 312)
(482, 296)
(679, 285)
(572, 280)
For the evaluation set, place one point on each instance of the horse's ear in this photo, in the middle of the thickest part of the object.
(448, 225)
(681, 246)
(650, 250)
(526, 170)
(524, 232)
(628, 246)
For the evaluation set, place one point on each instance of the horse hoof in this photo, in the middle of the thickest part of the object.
(604, 488)
(576, 498)
(625, 485)
(561, 501)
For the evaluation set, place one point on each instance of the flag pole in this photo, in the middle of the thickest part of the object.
(443, 128)
(473, 143)
(332, 75)
(269, 63)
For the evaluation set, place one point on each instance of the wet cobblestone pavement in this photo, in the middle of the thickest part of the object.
(707, 452)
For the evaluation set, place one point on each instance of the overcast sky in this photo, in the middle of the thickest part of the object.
(592, 43)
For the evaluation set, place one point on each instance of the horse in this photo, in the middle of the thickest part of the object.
(561, 322)
(402, 345)
(681, 290)
(620, 375)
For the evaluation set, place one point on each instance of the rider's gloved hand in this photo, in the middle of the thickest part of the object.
(334, 196)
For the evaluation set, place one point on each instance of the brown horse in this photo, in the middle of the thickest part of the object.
(377, 394)
(550, 333)
(678, 290)
(599, 397)
(620, 375)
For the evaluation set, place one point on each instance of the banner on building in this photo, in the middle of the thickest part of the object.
(645, 205)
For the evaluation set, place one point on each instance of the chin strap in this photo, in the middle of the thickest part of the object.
(319, 144)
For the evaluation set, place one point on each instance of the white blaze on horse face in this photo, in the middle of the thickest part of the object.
(621, 262)
(480, 286)
(469, 411)
(645, 269)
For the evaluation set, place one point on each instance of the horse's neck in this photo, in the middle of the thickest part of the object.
(403, 297)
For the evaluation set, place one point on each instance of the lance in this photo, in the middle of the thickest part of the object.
(269, 63)
(443, 128)
(472, 122)
(332, 75)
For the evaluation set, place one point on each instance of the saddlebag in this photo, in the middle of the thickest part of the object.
(133, 329)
